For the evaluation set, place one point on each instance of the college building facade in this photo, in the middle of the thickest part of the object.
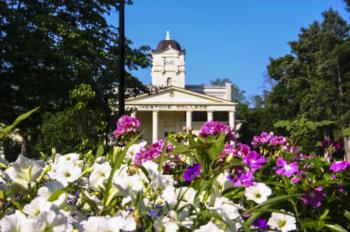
(177, 106)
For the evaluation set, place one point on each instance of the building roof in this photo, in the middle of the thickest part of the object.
(164, 44)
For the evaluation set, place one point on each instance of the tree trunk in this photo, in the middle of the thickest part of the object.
(347, 147)
(24, 145)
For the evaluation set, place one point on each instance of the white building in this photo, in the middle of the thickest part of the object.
(178, 105)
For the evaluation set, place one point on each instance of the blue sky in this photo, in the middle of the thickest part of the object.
(229, 39)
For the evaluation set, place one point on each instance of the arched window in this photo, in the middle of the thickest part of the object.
(168, 81)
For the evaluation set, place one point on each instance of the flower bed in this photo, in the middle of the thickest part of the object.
(208, 182)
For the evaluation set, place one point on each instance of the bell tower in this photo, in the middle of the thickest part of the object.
(168, 66)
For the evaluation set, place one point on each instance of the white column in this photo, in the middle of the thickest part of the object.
(133, 114)
(231, 119)
(209, 115)
(154, 126)
(188, 120)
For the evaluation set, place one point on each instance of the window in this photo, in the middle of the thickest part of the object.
(221, 116)
(199, 116)
(168, 81)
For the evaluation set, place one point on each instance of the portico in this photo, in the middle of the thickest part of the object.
(174, 109)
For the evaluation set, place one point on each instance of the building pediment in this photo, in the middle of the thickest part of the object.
(175, 95)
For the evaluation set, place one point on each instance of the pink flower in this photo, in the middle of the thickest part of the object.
(126, 125)
(214, 128)
(286, 169)
(339, 166)
(254, 160)
(242, 178)
(150, 152)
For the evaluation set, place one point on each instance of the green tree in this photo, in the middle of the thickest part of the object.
(313, 80)
(77, 128)
(49, 47)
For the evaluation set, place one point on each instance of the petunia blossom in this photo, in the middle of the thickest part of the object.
(338, 166)
(254, 160)
(314, 197)
(286, 169)
(192, 172)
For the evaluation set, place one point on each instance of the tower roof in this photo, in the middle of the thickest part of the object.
(164, 44)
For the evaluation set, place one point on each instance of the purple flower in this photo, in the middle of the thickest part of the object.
(271, 140)
(314, 197)
(150, 152)
(125, 125)
(254, 160)
(338, 166)
(261, 224)
(286, 169)
(214, 128)
(192, 172)
(242, 178)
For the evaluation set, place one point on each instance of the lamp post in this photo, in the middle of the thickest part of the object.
(121, 44)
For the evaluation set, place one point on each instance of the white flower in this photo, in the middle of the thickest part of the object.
(258, 193)
(15, 222)
(25, 171)
(133, 149)
(157, 179)
(169, 224)
(99, 175)
(108, 224)
(223, 181)
(51, 221)
(169, 195)
(282, 222)
(68, 158)
(65, 173)
(36, 207)
(128, 183)
(210, 227)
(226, 208)
(3, 160)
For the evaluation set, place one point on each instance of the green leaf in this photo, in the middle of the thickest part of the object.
(335, 228)
(346, 132)
(100, 151)
(347, 214)
(5, 131)
(162, 155)
(310, 223)
(56, 195)
(274, 200)
(282, 123)
(115, 166)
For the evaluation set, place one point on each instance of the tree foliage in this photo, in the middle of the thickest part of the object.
(79, 127)
(49, 47)
(312, 80)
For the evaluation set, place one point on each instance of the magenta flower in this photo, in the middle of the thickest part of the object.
(254, 160)
(214, 128)
(192, 172)
(243, 149)
(228, 149)
(314, 197)
(286, 169)
(125, 125)
(150, 152)
(241, 178)
(270, 139)
(338, 166)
